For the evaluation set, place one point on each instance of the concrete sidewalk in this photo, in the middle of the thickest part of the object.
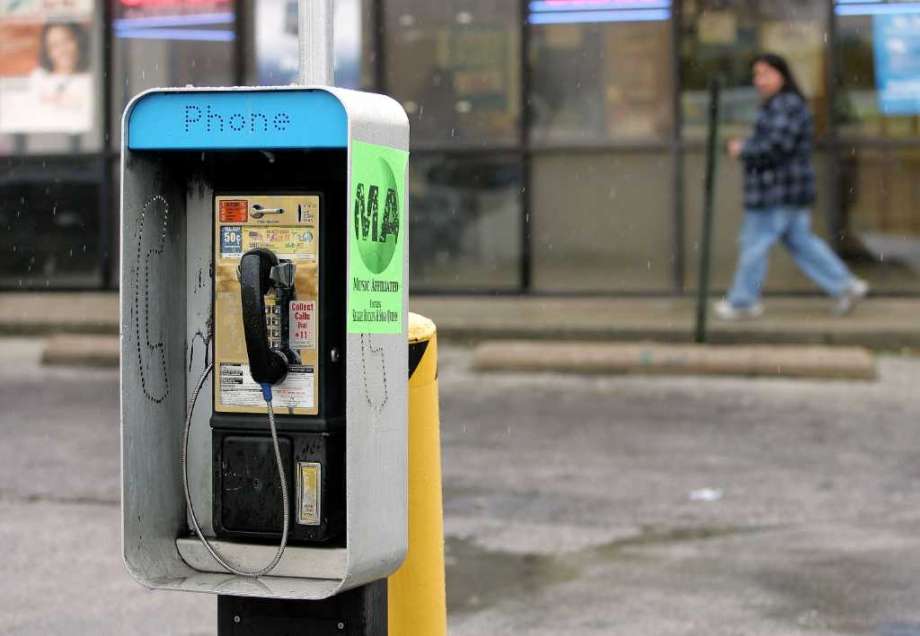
(611, 358)
(879, 323)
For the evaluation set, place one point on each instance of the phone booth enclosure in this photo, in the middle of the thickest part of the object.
(184, 153)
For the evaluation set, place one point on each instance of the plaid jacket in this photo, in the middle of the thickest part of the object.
(777, 157)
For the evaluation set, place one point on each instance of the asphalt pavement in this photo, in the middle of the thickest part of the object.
(573, 505)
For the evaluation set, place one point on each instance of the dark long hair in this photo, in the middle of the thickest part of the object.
(78, 32)
(779, 63)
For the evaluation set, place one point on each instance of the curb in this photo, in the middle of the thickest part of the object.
(81, 350)
(63, 312)
(39, 328)
(889, 340)
(816, 362)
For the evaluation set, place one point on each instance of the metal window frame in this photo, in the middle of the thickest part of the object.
(523, 147)
(107, 212)
(528, 151)
(674, 144)
(526, 237)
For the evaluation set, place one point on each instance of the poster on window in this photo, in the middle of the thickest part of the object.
(46, 82)
(897, 63)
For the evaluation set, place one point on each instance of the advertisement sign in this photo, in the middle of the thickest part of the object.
(897, 63)
(191, 20)
(46, 82)
(140, 9)
(587, 11)
(377, 237)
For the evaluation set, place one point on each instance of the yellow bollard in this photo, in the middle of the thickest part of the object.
(416, 595)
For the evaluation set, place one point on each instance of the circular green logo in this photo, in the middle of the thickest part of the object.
(377, 215)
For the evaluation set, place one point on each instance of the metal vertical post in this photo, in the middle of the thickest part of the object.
(108, 213)
(712, 162)
(526, 156)
(679, 234)
(358, 612)
(315, 18)
(834, 210)
(361, 611)
(241, 41)
(378, 40)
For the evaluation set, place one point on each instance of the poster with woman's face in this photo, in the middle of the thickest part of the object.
(46, 84)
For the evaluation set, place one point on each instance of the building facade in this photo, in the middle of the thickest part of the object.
(557, 145)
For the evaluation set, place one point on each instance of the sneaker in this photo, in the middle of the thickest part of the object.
(724, 310)
(845, 303)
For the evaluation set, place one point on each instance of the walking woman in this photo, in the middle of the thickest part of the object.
(779, 189)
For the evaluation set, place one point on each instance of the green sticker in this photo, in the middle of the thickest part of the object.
(377, 231)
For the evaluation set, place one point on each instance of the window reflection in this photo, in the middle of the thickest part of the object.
(465, 222)
(880, 226)
(598, 81)
(603, 221)
(50, 234)
(196, 49)
(721, 37)
(869, 43)
(876, 52)
(275, 50)
(455, 67)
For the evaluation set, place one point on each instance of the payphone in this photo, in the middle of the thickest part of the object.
(267, 298)
(266, 311)
(267, 303)
(264, 399)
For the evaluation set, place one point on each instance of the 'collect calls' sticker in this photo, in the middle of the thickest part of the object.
(302, 324)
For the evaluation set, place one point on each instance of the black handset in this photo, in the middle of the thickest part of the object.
(260, 272)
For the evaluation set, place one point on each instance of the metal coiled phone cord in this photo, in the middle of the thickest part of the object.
(266, 393)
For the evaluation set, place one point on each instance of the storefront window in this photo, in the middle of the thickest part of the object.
(879, 222)
(170, 43)
(603, 74)
(784, 275)
(49, 213)
(49, 77)
(878, 69)
(455, 67)
(465, 218)
(603, 222)
(877, 84)
(277, 54)
(721, 37)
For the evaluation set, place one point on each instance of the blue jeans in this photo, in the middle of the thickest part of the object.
(761, 230)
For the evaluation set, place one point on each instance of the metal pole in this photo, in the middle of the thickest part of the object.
(358, 612)
(712, 162)
(315, 18)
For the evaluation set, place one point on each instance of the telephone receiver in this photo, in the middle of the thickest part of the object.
(267, 341)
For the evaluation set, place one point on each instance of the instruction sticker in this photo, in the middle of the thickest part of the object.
(231, 241)
(302, 324)
(237, 388)
(308, 487)
(292, 243)
(234, 211)
(377, 237)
